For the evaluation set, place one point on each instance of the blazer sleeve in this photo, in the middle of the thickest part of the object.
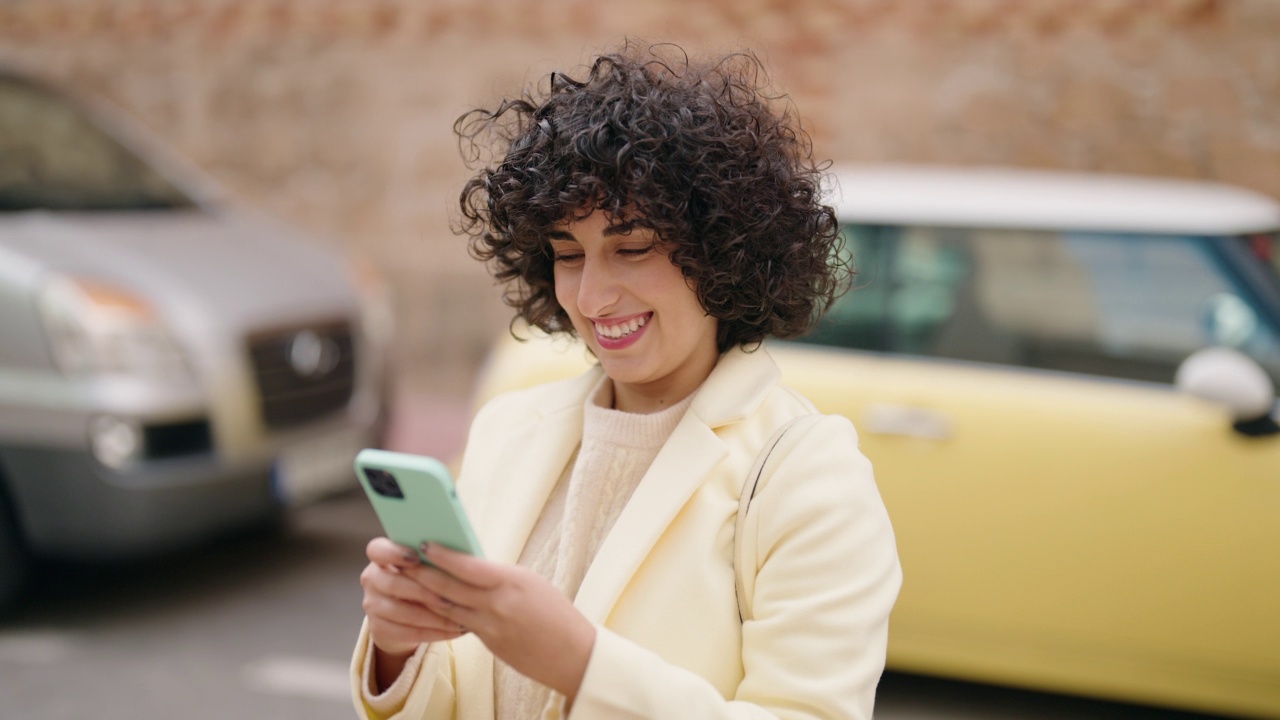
(431, 690)
(826, 577)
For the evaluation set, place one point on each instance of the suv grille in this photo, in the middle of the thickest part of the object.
(303, 372)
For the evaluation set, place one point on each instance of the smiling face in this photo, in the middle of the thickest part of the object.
(635, 310)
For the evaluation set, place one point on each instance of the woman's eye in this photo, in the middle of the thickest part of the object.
(568, 258)
(636, 251)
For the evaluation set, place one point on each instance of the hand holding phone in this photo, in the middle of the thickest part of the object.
(414, 498)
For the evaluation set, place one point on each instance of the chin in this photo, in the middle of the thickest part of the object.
(624, 372)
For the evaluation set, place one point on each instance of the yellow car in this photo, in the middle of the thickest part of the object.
(1066, 385)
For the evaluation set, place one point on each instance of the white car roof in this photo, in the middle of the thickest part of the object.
(1009, 198)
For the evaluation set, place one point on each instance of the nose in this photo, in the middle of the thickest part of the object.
(597, 288)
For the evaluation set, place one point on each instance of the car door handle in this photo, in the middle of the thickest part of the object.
(906, 421)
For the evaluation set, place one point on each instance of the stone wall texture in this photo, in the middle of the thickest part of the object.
(337, 114)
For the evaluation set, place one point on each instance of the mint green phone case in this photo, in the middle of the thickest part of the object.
(429, 510)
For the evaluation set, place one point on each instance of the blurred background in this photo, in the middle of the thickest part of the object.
(338, 114)
(336, 117)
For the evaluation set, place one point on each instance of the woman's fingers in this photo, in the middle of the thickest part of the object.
(398, 638)
(457, 616)
(398, 604)
(385, 552)
(397, 584)
(390, 595)
(521, 617)
(410, 614)
(399, 627)
(467, 568)
(452, 590)
(458, 578)
(399, 624)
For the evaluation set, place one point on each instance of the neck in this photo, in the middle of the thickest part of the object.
(640, 403)
(656, 397)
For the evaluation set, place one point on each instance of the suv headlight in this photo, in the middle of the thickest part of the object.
(99, 328)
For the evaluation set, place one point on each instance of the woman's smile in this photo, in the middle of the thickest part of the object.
(615, 334)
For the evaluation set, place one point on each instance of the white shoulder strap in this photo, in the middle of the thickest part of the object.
(756, 479)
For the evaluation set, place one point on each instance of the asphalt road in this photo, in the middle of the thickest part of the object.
(261, 626)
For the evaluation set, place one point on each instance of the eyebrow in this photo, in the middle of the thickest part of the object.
(625, 228)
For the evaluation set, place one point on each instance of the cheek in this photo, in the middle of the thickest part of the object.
(699, 322)
(686, 295)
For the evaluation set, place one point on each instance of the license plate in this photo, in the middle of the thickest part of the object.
(317, 467)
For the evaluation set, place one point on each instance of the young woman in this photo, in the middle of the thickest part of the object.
(666, 212)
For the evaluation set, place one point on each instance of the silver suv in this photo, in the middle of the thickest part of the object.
(170, 367)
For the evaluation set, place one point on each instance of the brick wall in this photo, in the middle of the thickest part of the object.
(337, 113)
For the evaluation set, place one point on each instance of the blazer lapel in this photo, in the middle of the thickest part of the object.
(524, 470)
(473, 675)
(736, 387)
(676, 473)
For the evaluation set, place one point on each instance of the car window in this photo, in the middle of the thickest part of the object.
(1265, 247)
(1117, 305)
(52, 156)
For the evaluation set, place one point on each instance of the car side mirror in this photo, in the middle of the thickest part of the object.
(1229, 378)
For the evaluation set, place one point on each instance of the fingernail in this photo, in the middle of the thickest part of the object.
(425, 548)
(410, 556)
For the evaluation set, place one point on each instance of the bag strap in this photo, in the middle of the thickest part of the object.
(750, 487)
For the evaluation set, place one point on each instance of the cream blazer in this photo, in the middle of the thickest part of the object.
(661, 589)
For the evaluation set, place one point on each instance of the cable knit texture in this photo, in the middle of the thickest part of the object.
(617, 448)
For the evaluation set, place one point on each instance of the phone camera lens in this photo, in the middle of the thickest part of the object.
(384, 483)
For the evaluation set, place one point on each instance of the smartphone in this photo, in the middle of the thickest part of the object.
(414, 499)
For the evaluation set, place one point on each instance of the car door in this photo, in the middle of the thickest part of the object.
(1066, 518)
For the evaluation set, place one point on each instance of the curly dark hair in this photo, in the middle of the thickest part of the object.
(699, 152)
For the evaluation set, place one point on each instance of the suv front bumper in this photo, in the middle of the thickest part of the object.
(69, 505)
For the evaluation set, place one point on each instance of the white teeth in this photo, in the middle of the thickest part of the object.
(621, 329)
